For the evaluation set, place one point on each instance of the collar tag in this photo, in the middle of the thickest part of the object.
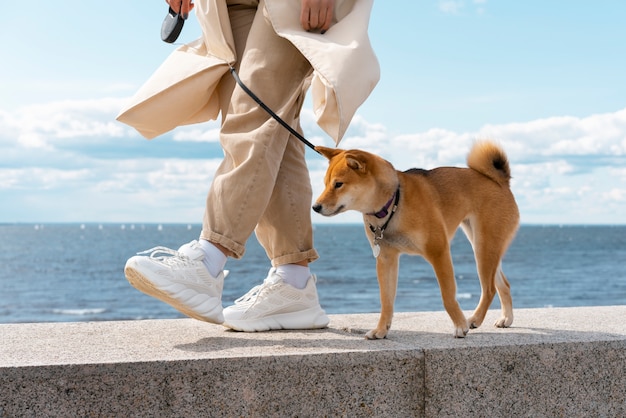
(376, 250)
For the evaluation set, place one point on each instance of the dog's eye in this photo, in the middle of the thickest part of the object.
(338, 185)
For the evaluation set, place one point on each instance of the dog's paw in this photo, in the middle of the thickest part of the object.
(504, 322)
(376, 334)
(460, 332)
(474, 322)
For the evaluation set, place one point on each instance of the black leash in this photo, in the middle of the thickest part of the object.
(170, 29)
(271, 112)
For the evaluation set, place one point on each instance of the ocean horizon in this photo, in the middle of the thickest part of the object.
(67, 272)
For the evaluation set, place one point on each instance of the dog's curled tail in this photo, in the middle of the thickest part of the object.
(490, 159)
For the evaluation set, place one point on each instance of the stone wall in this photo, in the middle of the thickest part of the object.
(559, 362)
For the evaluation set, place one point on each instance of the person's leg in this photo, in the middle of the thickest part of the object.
(241, 14)
(288, 298)
(255, 144)
(242, 191)
(288, 207)
(285, 229)
(264, 184)
(191, 279)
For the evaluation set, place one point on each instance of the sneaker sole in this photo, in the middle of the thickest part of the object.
(293, 321)
(187, 304)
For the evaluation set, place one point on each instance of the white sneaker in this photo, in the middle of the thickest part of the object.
(180, 279)
(276, 305)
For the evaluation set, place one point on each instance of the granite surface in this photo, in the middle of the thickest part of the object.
(553, 362)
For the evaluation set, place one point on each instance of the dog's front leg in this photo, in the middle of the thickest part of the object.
(387, 273)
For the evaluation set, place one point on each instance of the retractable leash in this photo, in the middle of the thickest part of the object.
(270, 111)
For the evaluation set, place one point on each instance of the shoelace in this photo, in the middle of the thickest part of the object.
(251, 295)
(168, 256)
(255, 292)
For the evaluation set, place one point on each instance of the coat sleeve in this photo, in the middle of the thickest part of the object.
(346, 69)
(183, 89)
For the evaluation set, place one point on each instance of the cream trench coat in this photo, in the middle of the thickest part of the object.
(183, 89)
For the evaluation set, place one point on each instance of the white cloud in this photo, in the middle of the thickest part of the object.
(595, 135)
(44, 125)
(210, 133)
(565, 169)
(457, 6)
(616, 195)
(618, 173)
(451, 6)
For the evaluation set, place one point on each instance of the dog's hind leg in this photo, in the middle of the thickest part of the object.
(487, 265)
(504, 293)
(442, 264)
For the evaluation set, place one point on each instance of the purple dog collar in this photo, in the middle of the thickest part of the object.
(385, 210)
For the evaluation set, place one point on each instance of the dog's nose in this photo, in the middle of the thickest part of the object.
(317, 207)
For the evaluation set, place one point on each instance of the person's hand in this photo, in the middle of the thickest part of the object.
(181, 7)
(316, 14)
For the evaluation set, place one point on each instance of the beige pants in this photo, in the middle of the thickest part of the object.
(262, 184)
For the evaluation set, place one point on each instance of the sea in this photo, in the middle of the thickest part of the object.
(74, 272)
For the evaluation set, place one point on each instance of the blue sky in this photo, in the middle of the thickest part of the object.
(545, 79)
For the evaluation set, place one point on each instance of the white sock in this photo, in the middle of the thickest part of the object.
(295, 275)
(214, 258)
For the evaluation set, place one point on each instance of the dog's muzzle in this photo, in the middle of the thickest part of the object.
(319, 208)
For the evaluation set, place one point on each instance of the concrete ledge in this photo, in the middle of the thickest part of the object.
(564, 362)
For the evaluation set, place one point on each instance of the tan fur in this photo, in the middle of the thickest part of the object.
(433, 204)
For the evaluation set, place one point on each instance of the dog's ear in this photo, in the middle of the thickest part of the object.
(328, 152)
(355, 163)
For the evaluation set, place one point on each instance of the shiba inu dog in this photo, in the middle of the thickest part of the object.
(418, 212)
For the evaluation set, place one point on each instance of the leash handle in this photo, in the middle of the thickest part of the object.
(270, 111)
